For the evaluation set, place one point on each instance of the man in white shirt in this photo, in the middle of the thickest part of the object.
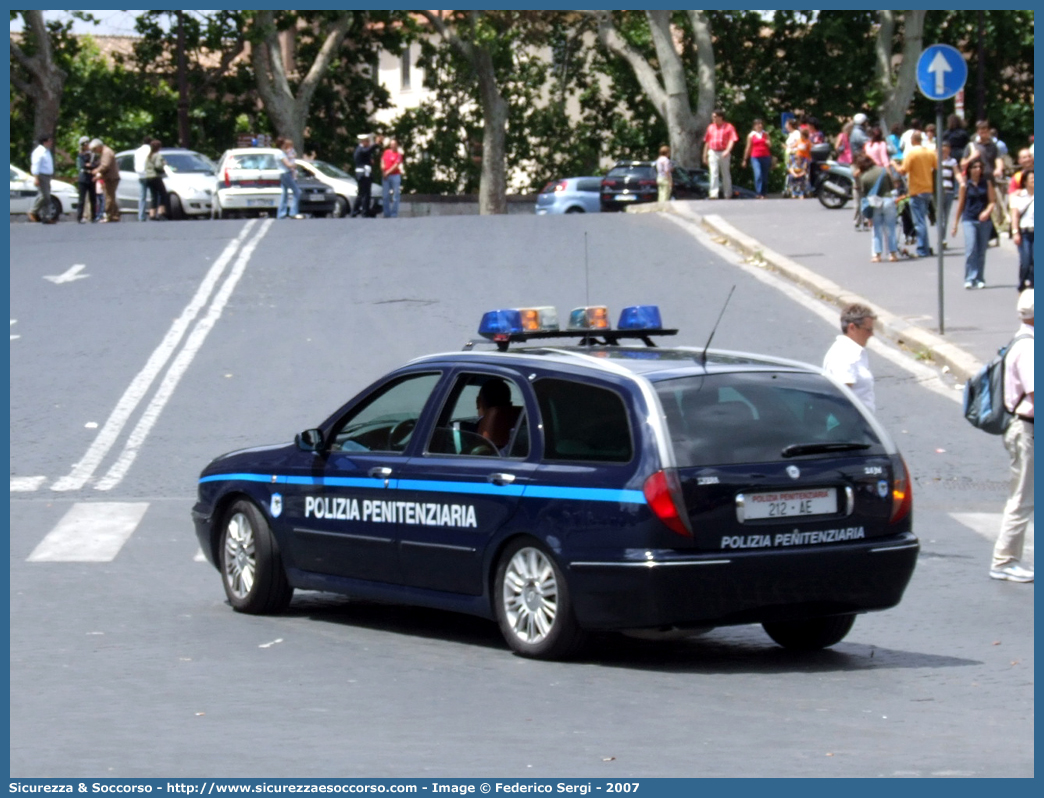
(42, 168)
(846, 360)
(141, 155)
(1018, 440)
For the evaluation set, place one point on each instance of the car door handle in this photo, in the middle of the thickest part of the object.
(380, 472)
(501, 479)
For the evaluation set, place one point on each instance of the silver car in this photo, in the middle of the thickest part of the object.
(343, 184)
(570, 195)
(189, 181)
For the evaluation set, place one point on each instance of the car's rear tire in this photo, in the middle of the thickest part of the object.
(532, 603)
(574, 210)
(56, 208)
(342, 207)
(810, 634)
(251, 566)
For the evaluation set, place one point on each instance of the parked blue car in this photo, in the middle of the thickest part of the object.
(570, 195)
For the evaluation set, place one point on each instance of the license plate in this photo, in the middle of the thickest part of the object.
(787, 504)
(260, 203)
(625, 197)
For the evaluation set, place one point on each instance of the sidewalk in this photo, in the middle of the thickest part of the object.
(820, 249)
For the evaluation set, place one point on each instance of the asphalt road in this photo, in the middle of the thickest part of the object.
(134, 665)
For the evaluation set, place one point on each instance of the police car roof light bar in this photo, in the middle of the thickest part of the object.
(590, 324)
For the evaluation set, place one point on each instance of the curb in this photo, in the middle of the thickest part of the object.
(922, 343)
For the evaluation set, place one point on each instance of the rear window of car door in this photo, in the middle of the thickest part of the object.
(583, 422)
(727, 419)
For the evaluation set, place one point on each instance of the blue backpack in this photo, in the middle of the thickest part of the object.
(984, 395)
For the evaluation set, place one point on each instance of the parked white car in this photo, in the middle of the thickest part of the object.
(343, 184)
(248, 182)
(189, 181)
(65, 197)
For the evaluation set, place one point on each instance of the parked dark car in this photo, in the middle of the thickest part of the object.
(695, 184)
(633, 182)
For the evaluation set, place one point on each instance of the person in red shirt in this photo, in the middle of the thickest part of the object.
(391, 172)
(717, 149)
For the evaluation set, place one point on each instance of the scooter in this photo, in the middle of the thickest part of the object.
(831, 181)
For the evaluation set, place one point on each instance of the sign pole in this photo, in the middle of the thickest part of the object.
(940, 223)
(941, 73)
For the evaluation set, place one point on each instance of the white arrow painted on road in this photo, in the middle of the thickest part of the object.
(940, 66)
(69, 276)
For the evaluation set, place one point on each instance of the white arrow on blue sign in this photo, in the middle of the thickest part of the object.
(941, 72)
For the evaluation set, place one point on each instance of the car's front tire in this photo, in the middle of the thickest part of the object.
(342, 207)
(56, 208)
(177, 210)
(251, 567)
(532, 603)
(810, 634)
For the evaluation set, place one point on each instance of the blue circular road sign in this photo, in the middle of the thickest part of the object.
(941, 72)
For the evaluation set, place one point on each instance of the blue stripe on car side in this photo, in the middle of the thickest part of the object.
(587, 494)
(435, 486)
(240, 478)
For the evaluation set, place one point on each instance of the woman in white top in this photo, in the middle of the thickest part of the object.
(1022, 227)
(664, 178)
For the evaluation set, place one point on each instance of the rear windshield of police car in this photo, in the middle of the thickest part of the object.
(759, 417)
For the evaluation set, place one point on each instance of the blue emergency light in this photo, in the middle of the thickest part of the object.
(640, 317)
(590, 323)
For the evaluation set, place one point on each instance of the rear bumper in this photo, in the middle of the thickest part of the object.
(719, 589)
(614, 203)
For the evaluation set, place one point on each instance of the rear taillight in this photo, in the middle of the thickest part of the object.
(663, 493)
(560, 186)
(902, 492)
(227, 181)
(646, 182)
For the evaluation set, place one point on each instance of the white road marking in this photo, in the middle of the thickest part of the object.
(200, 557)
(180, 365)
(26, 483)
(90, 532)
(925, 375)
(13, 323)
(140, 385)
(988, 526)
(68, 276)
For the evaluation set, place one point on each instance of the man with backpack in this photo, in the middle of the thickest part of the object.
(1018, 440)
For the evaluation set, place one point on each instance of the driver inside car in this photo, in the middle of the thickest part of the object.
(497, 416)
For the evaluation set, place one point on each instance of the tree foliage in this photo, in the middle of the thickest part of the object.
(571, 103)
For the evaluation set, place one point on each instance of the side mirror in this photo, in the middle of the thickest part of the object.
(311, 440)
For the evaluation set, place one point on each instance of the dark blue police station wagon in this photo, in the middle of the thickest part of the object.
(566, 489)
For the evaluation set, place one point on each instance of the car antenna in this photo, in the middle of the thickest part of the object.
(703, 354)
(587, 278)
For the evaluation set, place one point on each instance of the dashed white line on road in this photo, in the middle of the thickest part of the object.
(90, 532)
(24, 484)
(140, 385)
(13, 323)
